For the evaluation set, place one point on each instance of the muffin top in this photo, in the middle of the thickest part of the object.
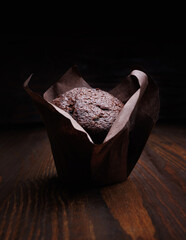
(94, 109)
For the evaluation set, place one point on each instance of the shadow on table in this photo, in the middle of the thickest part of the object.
(52, 188)
(50, 201)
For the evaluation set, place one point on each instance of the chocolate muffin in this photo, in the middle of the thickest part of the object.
(94, 109)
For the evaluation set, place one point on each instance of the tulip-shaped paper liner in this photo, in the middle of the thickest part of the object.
(77, 158)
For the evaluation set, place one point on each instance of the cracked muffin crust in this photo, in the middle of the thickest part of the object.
(94, 109)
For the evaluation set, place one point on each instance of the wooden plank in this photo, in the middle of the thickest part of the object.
(34, 204)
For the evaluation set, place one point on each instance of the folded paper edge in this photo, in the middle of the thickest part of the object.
(71, 75)
(122, 118)
(129, 106)
(127, 110)
(39, 98)
(74, 123)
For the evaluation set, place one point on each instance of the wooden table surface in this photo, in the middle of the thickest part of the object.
(34, 204)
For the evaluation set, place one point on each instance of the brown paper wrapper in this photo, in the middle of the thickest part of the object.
(77, 159)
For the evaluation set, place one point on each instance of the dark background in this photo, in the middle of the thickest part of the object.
(103, 56)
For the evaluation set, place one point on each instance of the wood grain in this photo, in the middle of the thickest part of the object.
(34, 204)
